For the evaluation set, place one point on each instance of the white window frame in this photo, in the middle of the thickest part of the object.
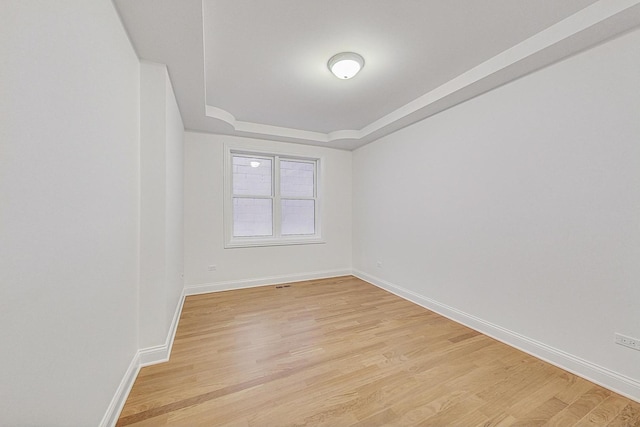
(277, 239)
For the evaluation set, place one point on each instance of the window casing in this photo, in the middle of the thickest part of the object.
(271, 199)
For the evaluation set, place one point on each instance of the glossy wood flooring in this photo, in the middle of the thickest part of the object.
(341, 352)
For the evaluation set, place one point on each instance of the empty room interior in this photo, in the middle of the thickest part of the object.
(299, 212)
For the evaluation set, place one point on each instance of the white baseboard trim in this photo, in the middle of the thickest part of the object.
(110, 418)
(160, 353)
(264, 281)
(602, 376)
(143, 357)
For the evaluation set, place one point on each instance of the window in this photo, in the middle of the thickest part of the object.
(271, 199)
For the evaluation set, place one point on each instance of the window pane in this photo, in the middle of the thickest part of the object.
(251, 176)
(298, 217)
(252, 217)
(296, 179)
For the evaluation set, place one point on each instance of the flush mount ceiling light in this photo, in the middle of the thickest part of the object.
(346, 64)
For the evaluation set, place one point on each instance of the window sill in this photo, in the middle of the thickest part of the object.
(249, 242)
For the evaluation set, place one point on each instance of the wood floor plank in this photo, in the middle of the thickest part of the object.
(628, 417)
(606, 412)
(342, 352)
(542, 413)
(499, 420)
(573, 413)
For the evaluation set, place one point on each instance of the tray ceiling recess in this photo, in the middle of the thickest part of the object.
(260, 68)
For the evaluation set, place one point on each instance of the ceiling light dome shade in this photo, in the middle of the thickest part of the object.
(346, 64)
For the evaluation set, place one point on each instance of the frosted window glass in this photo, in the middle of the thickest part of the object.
(252, 217)
(298, 217)
(251, 180)
(296, 179)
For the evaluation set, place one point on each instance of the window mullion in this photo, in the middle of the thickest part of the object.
(297, 198)
(248, 196)
(277, 209)
(316, 203)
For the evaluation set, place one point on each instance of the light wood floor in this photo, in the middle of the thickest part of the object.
(341, 352)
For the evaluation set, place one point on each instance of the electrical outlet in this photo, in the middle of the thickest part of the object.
(212, 267)
(626, 341)
(379, 264)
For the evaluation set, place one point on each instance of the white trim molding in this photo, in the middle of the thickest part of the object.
(604, 377)
(265, 281)
(110, 417)
(160, 353)
(602, 20)
(143, 357)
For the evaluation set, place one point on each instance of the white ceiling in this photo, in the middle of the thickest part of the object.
(259, 68)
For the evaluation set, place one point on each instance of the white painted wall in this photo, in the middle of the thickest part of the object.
(203, 218)
(174, 201)
(520, 207)
(69, 193)
(161, 165)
